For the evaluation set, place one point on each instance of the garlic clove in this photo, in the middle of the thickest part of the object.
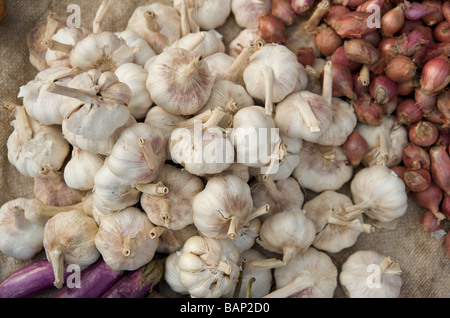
(141, 49)
(80, 170)
(172, 273)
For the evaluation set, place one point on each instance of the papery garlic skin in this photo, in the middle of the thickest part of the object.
(172, 210)
(289, 233)
(209, 267)
(246, 12)
(211, 43)
(308, 275)
(223, 208)
(135, 76)
(80, 170)
(138, 154)
(68, 36)
(69, 238)
(157, 23)
(124, 239)
(171, 241)
(322, 168)
(242, 40)
(207, 15)
(262, 276)
(104, 51)
(357, 271)
(142, 50)
(180, 81)
(218, 64)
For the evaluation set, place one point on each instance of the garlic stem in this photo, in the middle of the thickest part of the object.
(149, 154)
(50, 174)
(19, 217)
(334, 219)
(364, 75)
(236, 70)
(308, 116)
(311, 71)
(185, 27)
(271, 187)
(248, 293)
(203, 117)
(56, 258)
(188, 71)
(100, 15)
(234, 227)
(389, 267)
(79, 94)
(300, 283)
(367, 228)
(126, 248)
(327, 89)
(288, 253)
(61, 74)
(317, 16)
(351, 211)
(50, 211)
(217, 114)
(224, 267)
(157, 231)
(51, 28)
(196, 41)
(258, 212)
(383, 154)
(165, 211)
(58, 46)
(150, 18)
(23, 126)
(268, 85)
(153, 188)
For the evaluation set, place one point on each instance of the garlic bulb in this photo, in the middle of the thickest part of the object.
(272, 73)
(209, 267)
(342, 124)
(138, 155)
(308, 275)
(180, 81)
(288, 233)
(303, 80)
(51, 188)
(207, 15)
(32, 145)
(80, 170)
(69, 238)
(369, 274)
(386, 141)
(135, 76)
(254, 282)
(291, 160)
(219, 63)
(378, 192)
(43, 106)
(281, 195)
(141, 49)
(171, 241)
(110, 194)
(102, 109)
(322, 168)
(242, 40)
(334, 231)
(173, 209)
(203, 148)
(172, 273)
(211, 43)
(126, 240)
(246, 12)
(224, 207)
(60, 45)
(306, 115)
(157, 23)
(103, 51)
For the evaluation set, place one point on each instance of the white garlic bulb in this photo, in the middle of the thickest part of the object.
(224, 207)
(246, 12)
(288, 233)
(219, 63)
(138, 155)
(171, 241)
(207, 15)
(69, 238)
(180, 81)
(255, 282)
(141, 49)
(80, 170)
(281, 195)
(322, 168)
(61, 44)
(32, 145)
(245, 37)
(209, 268)
(303, 80)
(378, 192)
(334, 231)
(211, 43)
(157, 23)
(125, 239)
(173, 209)
(135, 76)
(369, 274)
(385, 141)
(308, 275)
(103, 51)
(43, 106)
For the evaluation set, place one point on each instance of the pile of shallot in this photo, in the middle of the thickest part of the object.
(161, 141)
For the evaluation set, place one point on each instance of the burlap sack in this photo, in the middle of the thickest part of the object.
(421, 257)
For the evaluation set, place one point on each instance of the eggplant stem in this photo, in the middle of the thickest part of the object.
(248, 293)
(237, 288)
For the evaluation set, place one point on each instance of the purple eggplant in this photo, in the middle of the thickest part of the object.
(138, 283)
(94, 282)
(28, 281)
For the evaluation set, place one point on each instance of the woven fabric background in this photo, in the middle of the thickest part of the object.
(422, 258)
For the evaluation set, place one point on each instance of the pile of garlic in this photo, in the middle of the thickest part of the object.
(113, 119)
